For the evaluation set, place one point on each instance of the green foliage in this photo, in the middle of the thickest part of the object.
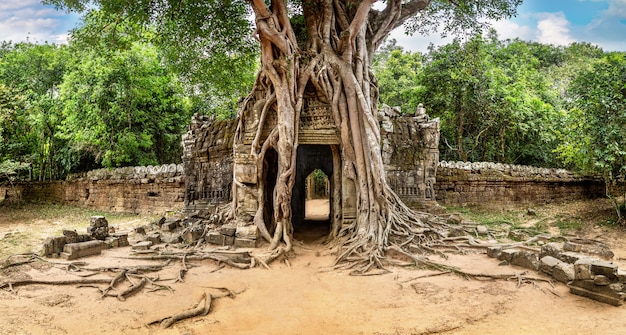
(398, 73)
(494, 102)
(122, 108)
(595, 137)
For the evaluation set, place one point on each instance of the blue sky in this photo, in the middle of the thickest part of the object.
(559, 22)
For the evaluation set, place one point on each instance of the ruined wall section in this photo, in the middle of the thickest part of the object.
(501, 185)
(140, 189)
(409, 145)
(208, 163)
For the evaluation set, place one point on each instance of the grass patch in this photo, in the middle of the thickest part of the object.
(489, 217)
(24, 226)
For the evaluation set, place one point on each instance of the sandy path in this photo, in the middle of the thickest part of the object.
(306, 298)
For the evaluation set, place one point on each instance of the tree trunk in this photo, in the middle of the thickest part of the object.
(334, 58)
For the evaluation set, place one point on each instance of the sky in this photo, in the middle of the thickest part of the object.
(557, 22)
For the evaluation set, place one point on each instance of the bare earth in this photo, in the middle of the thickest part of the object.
(309, 298)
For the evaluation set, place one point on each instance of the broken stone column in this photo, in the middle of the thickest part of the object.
(98, 228)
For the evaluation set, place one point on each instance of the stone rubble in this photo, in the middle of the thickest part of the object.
(73, 245)
(588, 275)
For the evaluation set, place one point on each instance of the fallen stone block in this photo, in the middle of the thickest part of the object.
(170, 224)
(144, 245)
(604, 268)
(601, 280)
(192, 234)
(507, 254)
(494, 252)
(247, 232)
(170, 238)
(551, 249)
(587, 288)
(548, 263)
(570, 257)
(563, 272)
(482, 230)
(569, 246)
(112, 242)
(53, 246)
(98, 227)
(582, 269)
(82, 249)
(155, 238)
(122, 238)
(525, 259)
(229, 240)
(215, 238)
(228, 230)
(245, 243)
(621, 276)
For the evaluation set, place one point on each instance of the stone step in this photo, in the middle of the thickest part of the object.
(82, 249)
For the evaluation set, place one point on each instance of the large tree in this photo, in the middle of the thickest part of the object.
(327, 45)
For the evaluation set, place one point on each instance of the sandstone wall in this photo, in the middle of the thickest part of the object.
(151, 189)
(501, 186)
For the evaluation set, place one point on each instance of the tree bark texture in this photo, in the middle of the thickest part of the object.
(334, 59)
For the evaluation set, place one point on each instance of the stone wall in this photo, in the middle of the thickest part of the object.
(151, 189)
(501, 185)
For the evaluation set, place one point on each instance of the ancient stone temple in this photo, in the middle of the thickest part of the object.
(212, 163)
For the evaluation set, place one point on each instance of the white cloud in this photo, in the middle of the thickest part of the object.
(508, 29)
(553, 28)
(22, 20)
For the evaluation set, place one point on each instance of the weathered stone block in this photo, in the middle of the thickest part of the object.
(245, 243)
(571, 257)
(229, 240)
(170, 238)
(82, 249)
(53, 246)
(601, 280)
(215, 238)
(144, 245)
(247, 232)
(154, 238)
(582, 269)
(617, 287)
(98, 227)
(192, 234)
(140, 230)
(228, 230)
(569, 246)
(604, 268)
(122, 238)
(548, 263)
(494, 252)
(170, 224)
(587, 288)
(563, 272)
(621, 276)
(112, 242)
(525, 259)
(551, 249)
(507, 254)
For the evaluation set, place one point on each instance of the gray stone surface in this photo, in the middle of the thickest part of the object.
(548, 263)
(98, 227)
(82, 249)
(563, 272)
(604, 268)
(143, 245)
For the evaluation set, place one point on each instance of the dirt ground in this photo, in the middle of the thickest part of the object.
(308, 297)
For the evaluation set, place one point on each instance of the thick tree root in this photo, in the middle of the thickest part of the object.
(202, 308)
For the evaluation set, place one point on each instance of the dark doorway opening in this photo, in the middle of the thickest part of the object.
(270, 174)
(311, 158)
